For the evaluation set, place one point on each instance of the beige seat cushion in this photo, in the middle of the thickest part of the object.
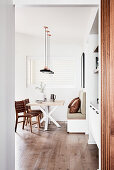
(75, 115)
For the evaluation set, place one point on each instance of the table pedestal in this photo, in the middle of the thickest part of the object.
(47, 116)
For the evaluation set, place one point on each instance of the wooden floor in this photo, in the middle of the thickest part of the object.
(54, 150)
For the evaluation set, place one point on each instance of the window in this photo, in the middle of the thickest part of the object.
(64, 72)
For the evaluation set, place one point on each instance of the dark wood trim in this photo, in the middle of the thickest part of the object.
(112, 82)
(105, 81)
(83, 70)
(107, 84)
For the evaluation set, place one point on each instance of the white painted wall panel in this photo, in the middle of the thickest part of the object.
(7, 114)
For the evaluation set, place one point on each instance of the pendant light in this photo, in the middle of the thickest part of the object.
(46, 69)
(48, 48)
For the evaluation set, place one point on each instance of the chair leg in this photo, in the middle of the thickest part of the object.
(31, 124)
(41, 116)
(39, 121)
(27, 121)
(23, 122)
(16, 124)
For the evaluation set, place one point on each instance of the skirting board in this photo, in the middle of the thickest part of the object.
(91, 139)
(91, 142)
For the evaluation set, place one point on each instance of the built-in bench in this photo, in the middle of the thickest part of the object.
(76, 122)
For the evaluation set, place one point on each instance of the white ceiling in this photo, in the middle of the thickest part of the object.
(56, 2)
(64, 22)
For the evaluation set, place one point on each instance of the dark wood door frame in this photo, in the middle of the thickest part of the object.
(107, 84)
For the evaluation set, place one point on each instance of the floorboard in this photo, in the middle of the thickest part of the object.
(54, 150)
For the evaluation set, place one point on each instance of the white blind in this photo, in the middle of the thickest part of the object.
(64, 72)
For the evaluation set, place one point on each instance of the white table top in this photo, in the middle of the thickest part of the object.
(47, 103)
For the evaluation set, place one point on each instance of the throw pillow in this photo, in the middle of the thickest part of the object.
(75, 106)
(72, 102)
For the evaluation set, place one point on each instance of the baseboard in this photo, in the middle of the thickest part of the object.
(91, 142)
(87, 133)
(83, 133)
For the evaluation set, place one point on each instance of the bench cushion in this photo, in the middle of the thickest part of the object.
(75, 115)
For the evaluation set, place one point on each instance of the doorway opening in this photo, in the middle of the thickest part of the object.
(75, 59)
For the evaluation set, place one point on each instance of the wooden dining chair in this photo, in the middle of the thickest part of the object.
(20, 113)
(20, 107)
(29, 110)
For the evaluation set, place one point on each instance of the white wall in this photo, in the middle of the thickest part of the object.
(7, 115)
(91, 83)
(27, 45)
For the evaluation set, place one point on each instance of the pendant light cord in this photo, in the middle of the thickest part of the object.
(47, 49)
(45, 46)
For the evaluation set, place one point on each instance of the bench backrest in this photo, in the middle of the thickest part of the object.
(82, 96)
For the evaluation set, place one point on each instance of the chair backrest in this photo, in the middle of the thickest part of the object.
(27, 107)
(82, 96)
(19, 106)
